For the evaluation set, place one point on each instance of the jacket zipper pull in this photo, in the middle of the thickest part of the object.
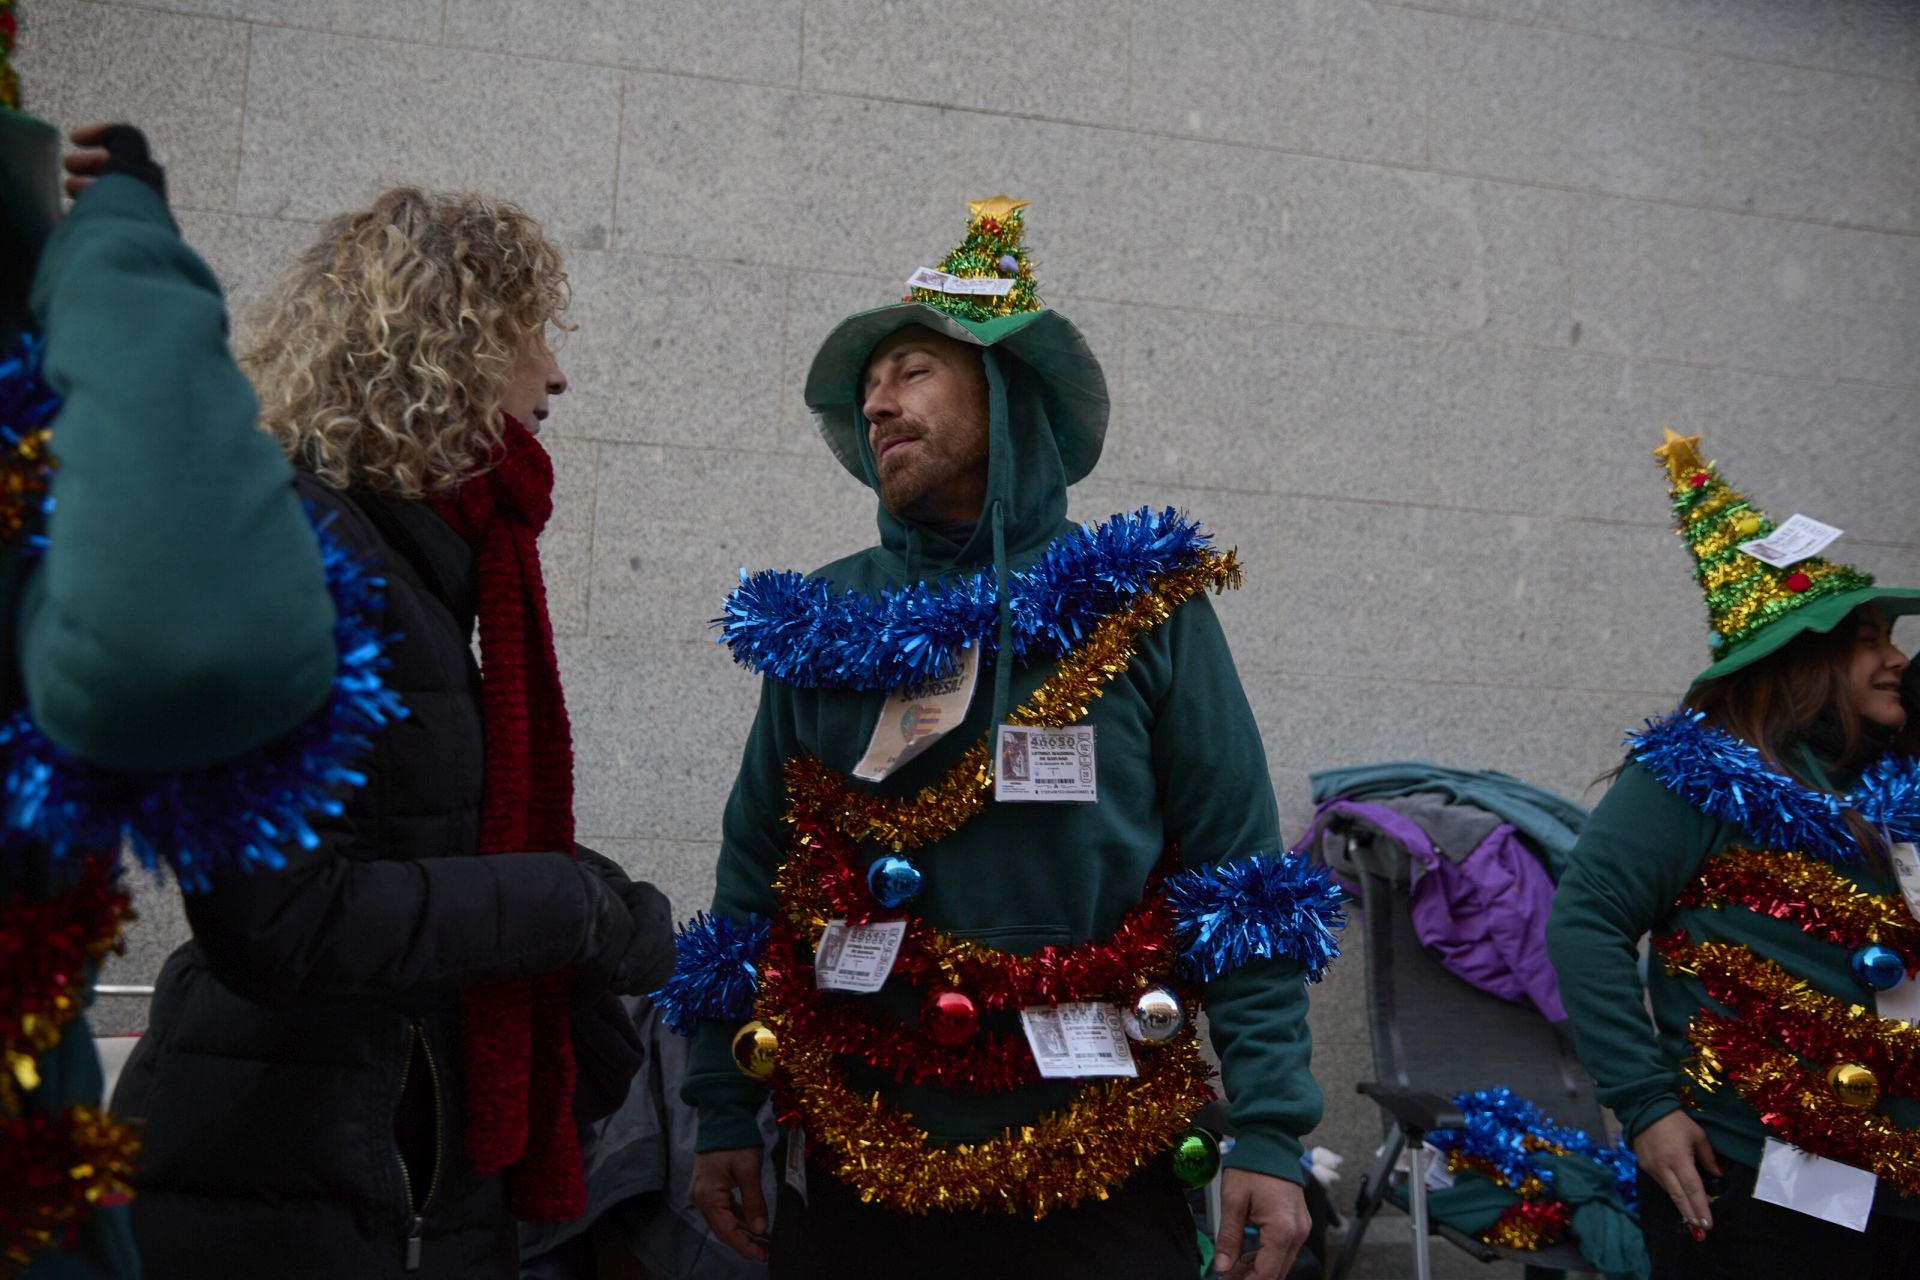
(415, 1226)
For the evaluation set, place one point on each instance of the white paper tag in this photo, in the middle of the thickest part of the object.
(1902, 1002)
(1790, 543)
(1045, 764)
(856, 958)
(1810, 1184)
(941, 282)
(796, 1175)
(914, 719)
(1074, 1040)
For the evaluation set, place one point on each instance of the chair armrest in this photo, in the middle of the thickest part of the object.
(1412, 1110)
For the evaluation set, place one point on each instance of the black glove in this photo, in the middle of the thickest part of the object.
(128, 153)
(627, 947)
(608, 1051)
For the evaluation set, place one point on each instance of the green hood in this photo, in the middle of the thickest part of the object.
(29, 208)
(1072, 386)
(1027, 469)
(1026, 486)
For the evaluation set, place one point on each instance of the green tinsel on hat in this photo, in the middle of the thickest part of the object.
(1753, 608)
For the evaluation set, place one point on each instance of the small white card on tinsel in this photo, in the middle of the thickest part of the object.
(1790, 543)
(857, 957)
(1903, 1002)
(1045, 764)
(970, 286)
(911, 720)
(1906, 865)
(797, 1161)
(1810, 1184)
(1074, 1040)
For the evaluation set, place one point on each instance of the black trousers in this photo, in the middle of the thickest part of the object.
(1141, 1231)
(1754, 1240)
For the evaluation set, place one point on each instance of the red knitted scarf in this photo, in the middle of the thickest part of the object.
(520, 1070)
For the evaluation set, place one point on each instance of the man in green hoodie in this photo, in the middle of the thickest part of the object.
(973, 989)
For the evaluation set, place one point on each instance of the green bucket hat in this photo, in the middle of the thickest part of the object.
(1757, 605)
(982, 293)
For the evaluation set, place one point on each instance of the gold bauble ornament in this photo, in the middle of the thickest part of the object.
(1853, 1084)
(756, 1050)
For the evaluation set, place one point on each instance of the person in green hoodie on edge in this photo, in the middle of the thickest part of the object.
(167, 621)
(1764, 834)
(1002, 826)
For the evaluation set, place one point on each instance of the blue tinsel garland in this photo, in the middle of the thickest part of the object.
(1258, 908)
(807, 634)
(27, 404)
(237, 814)
(1499, 1121)
(1728, 779)
(1280, 908)
(716, 972)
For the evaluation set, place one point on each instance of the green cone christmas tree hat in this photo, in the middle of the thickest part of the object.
(983, 292)
(1764, 583)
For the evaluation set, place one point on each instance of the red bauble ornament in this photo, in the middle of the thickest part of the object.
(949, 1017)
(1797, 581)
(1699, 479)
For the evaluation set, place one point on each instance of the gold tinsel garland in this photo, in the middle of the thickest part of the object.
(60, 1168)
(1796, 1104)
(1846, 1030)
(26, 471)
(937, 811)
(1806, 891)
(1108, 1132)
(1111, 1129)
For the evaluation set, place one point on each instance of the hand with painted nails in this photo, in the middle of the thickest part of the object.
(1673, 1151)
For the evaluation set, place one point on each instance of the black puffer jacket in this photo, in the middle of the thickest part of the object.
(301, 1084)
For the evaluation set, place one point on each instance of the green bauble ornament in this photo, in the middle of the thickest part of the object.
(1196, 1157)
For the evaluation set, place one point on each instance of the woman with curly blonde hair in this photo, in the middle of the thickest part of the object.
(429, 1007)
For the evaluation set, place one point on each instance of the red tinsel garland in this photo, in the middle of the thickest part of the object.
(47, 949)
(1817, 1027)
(820, 881)
(1530, 1224)
(1796, 1104)
(988, 1063)
(59, 1169)
(1821, 901)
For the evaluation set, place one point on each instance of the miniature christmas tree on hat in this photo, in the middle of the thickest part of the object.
(993, 254)
(1745, 594)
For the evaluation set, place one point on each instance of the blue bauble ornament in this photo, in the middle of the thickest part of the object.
(1877, 968)
(1009, 265)
(894, 881)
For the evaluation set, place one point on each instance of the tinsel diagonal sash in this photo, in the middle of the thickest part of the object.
(520, 1068)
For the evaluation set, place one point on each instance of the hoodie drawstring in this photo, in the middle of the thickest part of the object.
(1003, 660)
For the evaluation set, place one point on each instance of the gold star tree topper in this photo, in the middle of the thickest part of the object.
(1681, 454)
(996, 207)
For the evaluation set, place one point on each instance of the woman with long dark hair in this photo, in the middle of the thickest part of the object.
(1755, 833)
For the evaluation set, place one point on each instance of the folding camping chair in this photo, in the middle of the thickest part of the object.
(1434, 1036)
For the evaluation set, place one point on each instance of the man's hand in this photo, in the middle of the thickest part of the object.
(1276, 1206)
(1672, 1151)
(717, 1176)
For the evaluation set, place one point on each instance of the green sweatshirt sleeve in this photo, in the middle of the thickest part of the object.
(180, 615)
(1212, 772)
(752, 842)
(1638, 850)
